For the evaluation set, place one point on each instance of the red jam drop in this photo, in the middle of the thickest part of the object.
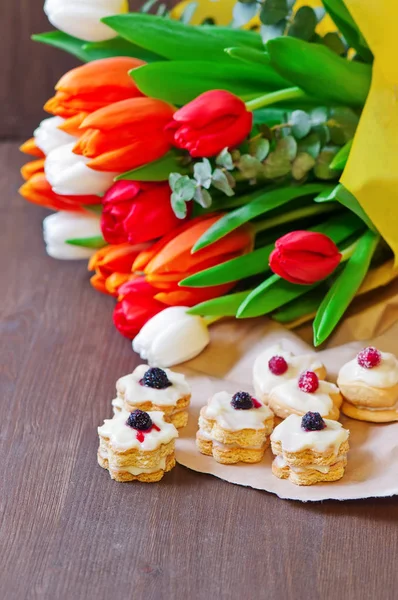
(308, 382)
(278, 365)
(141, 434)
(256, 403)
(368, 358)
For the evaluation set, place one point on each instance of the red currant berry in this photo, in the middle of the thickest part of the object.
(369, 357)
(277, 365)
(308, 382)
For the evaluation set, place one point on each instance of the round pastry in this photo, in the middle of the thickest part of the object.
(234, 428)
(275, 366)
(369, 385)
(137, 447)
(309, 449)
(151, 388)
(306, 393)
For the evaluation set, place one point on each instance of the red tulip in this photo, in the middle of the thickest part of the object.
(137, 212)
(133, 311)
(215, 120)
(304, 257)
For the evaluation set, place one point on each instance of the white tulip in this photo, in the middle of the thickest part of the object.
(82, 18)
(69, 175)
(62, 226)
(48, 137)
(172, 337)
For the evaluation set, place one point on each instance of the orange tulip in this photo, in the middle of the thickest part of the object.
(32, 168)
(170, 260)
(38, 191)
(29, 147)
(112, 265)
(125, 135)
(92, 86)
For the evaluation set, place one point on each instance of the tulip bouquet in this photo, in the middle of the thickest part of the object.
(216, 169)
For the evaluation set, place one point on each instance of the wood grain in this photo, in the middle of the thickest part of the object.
(69, 532)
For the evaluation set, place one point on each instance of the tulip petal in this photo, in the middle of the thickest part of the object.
(210, 106)
(310, 241)
(30, 147)
(32, 168)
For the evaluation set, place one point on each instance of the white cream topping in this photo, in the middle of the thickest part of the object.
(220, 409)
(290, 394)
(265, 381)
(281, 463)
(123, 437)
(137, 394)
(385, 375)
(294, 439)
(118, 406)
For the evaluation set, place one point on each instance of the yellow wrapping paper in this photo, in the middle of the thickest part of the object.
(371, 174)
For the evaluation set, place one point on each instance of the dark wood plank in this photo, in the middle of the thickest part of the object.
(69, 532)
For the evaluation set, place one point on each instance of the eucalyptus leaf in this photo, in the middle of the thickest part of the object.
(259, 148)
(346, 24)
(276, 165)
(342, 124)
(319, 115)
(224, 159)
(300, 123)
(203, 173)
(303, 24)
(345, 287)
(258, 203)
(273, 11)
(313, 68)
(250, 166)
(287, 147)
(311, 145)
(333, 41)
(202, 197)
(184, 188)
(220, 182)
(302, 164)
(179, 206)
(322, 168)
(270, 32)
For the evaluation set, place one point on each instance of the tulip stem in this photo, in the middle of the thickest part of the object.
(348, 252)
(299, 213)
(293, 93)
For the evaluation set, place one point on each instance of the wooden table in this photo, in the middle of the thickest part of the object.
(69, 532)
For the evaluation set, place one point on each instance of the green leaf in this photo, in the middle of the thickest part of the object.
(259, 203)
(300, 123)
(269, 295)
(344, 288)
(202, 197)
(158, 170)
(90, 242)
(344, 196)
(235, 37)
(232, 270)
(346, 24)
(249, 166)
(118, 47)
(342, 124)
(180, 82)
(171, 39)
(65, 42)
(297, 309)
(287, 147)
(313, 68)
(303, 24)
(225, 306)
(93, 208)
(273, 11)
(248, 55)
(341, 158)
